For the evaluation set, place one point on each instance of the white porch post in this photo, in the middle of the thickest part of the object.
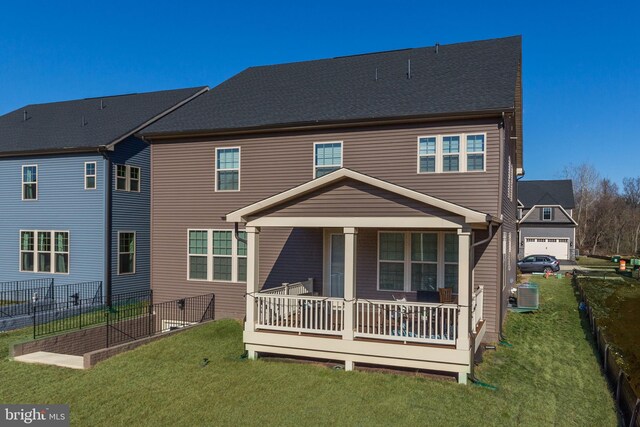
(464, 288)
(253, 279)
(349, 286)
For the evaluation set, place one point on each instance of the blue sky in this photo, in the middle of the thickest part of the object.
(581, 60)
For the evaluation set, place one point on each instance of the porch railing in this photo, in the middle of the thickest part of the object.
(477, 307)
(407, 321)
(298, 288)
(297, 313)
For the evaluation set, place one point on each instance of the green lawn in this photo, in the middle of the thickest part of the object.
(548, 377)
(596, 262)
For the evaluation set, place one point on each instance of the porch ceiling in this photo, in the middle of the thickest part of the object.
(346, 198)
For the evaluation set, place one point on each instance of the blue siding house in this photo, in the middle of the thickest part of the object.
(75, 189)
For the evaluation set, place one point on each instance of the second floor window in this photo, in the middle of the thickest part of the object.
(452, 153)
(127, 178)
(327, 158)
(90, 175)
(227, 169)
(30, 182)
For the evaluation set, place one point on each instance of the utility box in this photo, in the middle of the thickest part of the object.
(528, 296)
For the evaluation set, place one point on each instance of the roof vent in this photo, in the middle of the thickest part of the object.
(84, 121)
(102, 104)
(376, 73)
(408, 68)
(25, 116)
(437, 47)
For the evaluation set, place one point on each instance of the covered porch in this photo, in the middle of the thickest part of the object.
(405, 299)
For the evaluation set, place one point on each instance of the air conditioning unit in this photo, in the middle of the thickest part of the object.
(528, 296)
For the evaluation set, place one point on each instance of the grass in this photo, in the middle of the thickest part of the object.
(615, 305)
(549, 377)
(596, 262)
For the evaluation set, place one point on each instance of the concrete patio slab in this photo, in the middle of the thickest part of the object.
(55, 359)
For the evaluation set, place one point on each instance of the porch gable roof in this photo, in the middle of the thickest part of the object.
(245, 214)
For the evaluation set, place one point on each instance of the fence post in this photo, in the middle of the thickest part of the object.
(108, 314)
(606, 357)
(619, 386)
(150, 316)
(80, 316)
(34, 321)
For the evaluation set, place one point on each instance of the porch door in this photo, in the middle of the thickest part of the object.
(336, 266)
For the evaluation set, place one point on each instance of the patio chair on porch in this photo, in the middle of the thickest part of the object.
(446, 296)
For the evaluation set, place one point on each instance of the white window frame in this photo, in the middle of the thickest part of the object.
(434, 155)
(33, 182)
(94, 176)
(135, 252)
(128, 178)
(227, 169)
(209, 255)
(52, 252)
(544, 209)
(316, 167)
(408, 262)
(462, 152)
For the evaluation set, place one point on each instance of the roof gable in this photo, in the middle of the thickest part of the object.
(430, 81)
(378, 195)
(86, 123)
(546, 192)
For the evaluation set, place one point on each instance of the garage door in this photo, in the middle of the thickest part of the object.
(558, 247)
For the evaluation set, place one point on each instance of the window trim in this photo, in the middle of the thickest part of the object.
(209, 255)
(35, 251)
(408, 262)
(94, 176)
(462, 153)
(135, 252)
(434, 155)
(127, 179)
(544, 209)
(315, 167)
(23, 183)
(227, 169)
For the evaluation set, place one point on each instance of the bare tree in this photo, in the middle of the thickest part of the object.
(632, 199)
(585, 179)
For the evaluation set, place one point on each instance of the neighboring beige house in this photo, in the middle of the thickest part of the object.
(359, 208)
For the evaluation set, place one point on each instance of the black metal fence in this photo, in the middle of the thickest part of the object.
(627, 400)
(17, 298)
(132, 322)
(79, 306)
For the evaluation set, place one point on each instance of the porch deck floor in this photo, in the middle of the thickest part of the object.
(55, 359)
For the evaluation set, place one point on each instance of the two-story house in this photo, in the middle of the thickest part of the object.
(75, 189)
(545, 219)
(387, 179)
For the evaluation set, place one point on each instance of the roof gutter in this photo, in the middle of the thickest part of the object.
(296, 126)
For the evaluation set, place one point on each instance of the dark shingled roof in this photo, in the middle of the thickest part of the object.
(552, 192)
(459, 78)
(59, 125)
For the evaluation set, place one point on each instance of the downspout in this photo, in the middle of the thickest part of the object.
(237, 233)
(472, 376)
(108, 223)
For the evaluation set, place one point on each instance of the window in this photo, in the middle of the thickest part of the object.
(409, 261)
(126, 252)
(227, 169)
(327, 158)
(475, 152)
(44, 251)
(90, 175)
(447, 153)
(128, 178)
(427, 154)
(450, 156)
(30, 182)
(27, 251)
(216, 255)
(546, 214)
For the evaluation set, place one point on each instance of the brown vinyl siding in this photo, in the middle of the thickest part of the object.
(352, 198)
(184, 198)
(535, 217)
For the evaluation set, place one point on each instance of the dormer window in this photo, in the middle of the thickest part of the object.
(546, 214)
